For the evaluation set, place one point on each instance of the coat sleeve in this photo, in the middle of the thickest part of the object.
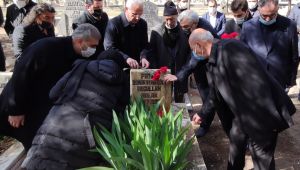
(208, 106)
(111, 37)
(18, 40)
(186, 70)
(295, 55)
(27, 68)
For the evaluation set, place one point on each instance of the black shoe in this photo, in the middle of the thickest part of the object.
(201, 132)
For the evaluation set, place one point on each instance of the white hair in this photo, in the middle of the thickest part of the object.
(86, 32)
(201, 36)
(130, 3)
(189, 15)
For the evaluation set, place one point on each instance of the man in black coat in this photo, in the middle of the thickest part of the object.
(15, 14)
(127, 33)
(274, 40)
(169, 47)
(189, 21)
(94, 15)
(84, 97)
(24, 100)
(251, 105)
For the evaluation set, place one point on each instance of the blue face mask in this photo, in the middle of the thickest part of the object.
(197, 57)
(272, 21)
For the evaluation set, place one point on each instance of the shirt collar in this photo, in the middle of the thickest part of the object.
(124, 20)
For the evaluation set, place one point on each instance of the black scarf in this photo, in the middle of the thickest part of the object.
(170, 36)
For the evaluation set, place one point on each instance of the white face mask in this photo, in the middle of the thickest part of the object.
(239, 20)
(252, 5)
(20, 3)
(212, 10)
(88, 52)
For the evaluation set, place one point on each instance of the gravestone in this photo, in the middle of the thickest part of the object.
(4, 78)
(150, 14)
(141, 84)
(73, 9)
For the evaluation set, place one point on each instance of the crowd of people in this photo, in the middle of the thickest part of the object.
(61, 87)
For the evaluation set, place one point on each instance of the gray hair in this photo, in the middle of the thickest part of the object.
(85, 32)
(130, 3)
(201, 36)
(190, 15)
(262, 3)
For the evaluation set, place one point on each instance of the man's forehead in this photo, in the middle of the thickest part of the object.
(185, 22)
(269, 7)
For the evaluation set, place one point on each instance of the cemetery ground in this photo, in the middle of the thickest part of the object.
(214, 146)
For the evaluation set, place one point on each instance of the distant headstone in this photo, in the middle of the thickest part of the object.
(141, 84)
(73, 8)
(150, 14)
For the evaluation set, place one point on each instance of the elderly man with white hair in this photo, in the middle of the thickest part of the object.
(251, 105)
(127, 33)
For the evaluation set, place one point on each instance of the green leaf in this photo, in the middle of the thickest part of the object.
(96, 168)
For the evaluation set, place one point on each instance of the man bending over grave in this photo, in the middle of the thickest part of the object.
(83, 98)
(24, 102)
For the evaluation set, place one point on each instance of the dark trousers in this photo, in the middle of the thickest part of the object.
(262, 155)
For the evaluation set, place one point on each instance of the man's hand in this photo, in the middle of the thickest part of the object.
(145, 63)
(16, 121)
(132, 63)
(197, 119)
(169, 78)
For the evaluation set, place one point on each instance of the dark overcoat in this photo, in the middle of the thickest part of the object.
(160, 55)
(65, 137)
(278, 52)
(241, 88)
(36, 72)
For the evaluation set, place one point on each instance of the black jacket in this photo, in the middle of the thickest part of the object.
(100, 24)
(23, 36)
(160, 55)
(36, 72)
(241, 88)
(130, 41)
(65, 136)
(15, 16)
(276, 47)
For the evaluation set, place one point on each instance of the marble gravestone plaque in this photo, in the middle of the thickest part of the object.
(150, 14)
(141, 84)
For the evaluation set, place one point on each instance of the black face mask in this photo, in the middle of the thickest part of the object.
(97, 13)
(187, 32)
(46, 25)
